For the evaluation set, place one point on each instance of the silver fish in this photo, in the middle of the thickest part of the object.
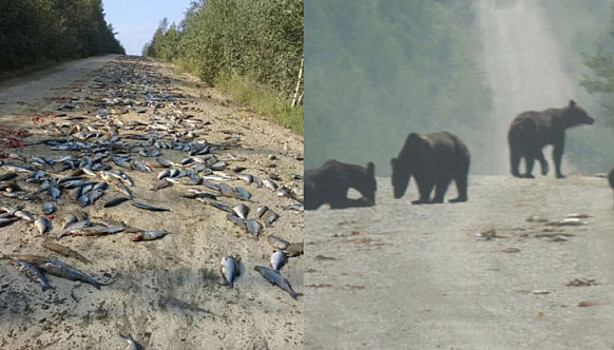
(277, 242)
(270, 217)
(237, 221)
(229, 270)
(242, 211)
(254, 227)
(278, 260)
(49, 208)
(115, 201)
(148, 207)
(24, 215)
(42, 225)
(275, 278)
(148, 235)
(33, 272)
(60, 269)
(132, 345)
(242, 193)
(261, 210)
(269, 184)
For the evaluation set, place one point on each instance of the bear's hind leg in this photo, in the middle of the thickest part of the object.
(542, 162)
(440, 189)
(529, 162)
(461, 187)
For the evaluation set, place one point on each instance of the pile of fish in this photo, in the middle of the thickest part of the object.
(97, 150)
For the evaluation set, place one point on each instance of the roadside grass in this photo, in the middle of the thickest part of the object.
(264, 100)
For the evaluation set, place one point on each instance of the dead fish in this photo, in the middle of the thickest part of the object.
(148, 207)
(222, 206)
(261, 210)
(163, 162)
(242, 193)
(138, 165)
(211, 185)
(54, 193)
(278, 260)
(115, 201)
(229, 270)
(49, 208)
(8, 176)
(277, 242)
(132, 345)
(270, 217)
(296, 207)
(7, 221)
(95, 230)
(123, 189)
(32, 272)
(219, 166)
(246, 177)
(242, 210)
(569, 222)
(95, 194)
(294, 249)
(69, 220)
(577, 216)
(269, 184)
(84, 200)
(226, 190)
(275, 278)
(148, 235)
(73, 227)
(237, 169)
(24, 215)
(237, 221)
(254, 227)
(160, 184)
(60, 249)
(43, 225)
(58, 268)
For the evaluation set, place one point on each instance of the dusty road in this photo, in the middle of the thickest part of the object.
(398, 276)
(168, 292)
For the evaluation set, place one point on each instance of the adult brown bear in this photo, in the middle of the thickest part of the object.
(329, 184)
(611, 178)
(531, 131)
(434, 160)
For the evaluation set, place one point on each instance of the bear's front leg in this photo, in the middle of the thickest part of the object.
(425, 186)
(557, 156)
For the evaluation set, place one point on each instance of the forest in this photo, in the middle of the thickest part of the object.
(40, 32)
(256, 45)
(378, 70)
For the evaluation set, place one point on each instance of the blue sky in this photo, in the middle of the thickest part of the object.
(137, 20)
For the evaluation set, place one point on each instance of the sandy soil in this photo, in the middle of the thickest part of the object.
(167, 293)
(398, 276)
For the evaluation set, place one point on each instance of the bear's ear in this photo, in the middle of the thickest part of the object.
(572, 103)
(413, 137)
(371, 168)
(393, 162)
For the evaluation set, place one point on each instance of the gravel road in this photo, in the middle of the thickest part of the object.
(167, 293)
(399, 276)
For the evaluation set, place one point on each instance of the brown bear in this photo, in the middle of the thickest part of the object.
(329, 184)
(531, 131)
(611, 179)
(434, 160)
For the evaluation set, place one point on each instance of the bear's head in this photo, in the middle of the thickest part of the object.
(414, 154)
(574, 115)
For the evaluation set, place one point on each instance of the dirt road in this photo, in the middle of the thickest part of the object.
(167, 293)
(398, 276)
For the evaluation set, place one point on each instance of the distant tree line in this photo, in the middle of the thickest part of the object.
(258, 39)
(35, 32)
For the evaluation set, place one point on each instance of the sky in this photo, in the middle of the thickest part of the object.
(137, 20)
